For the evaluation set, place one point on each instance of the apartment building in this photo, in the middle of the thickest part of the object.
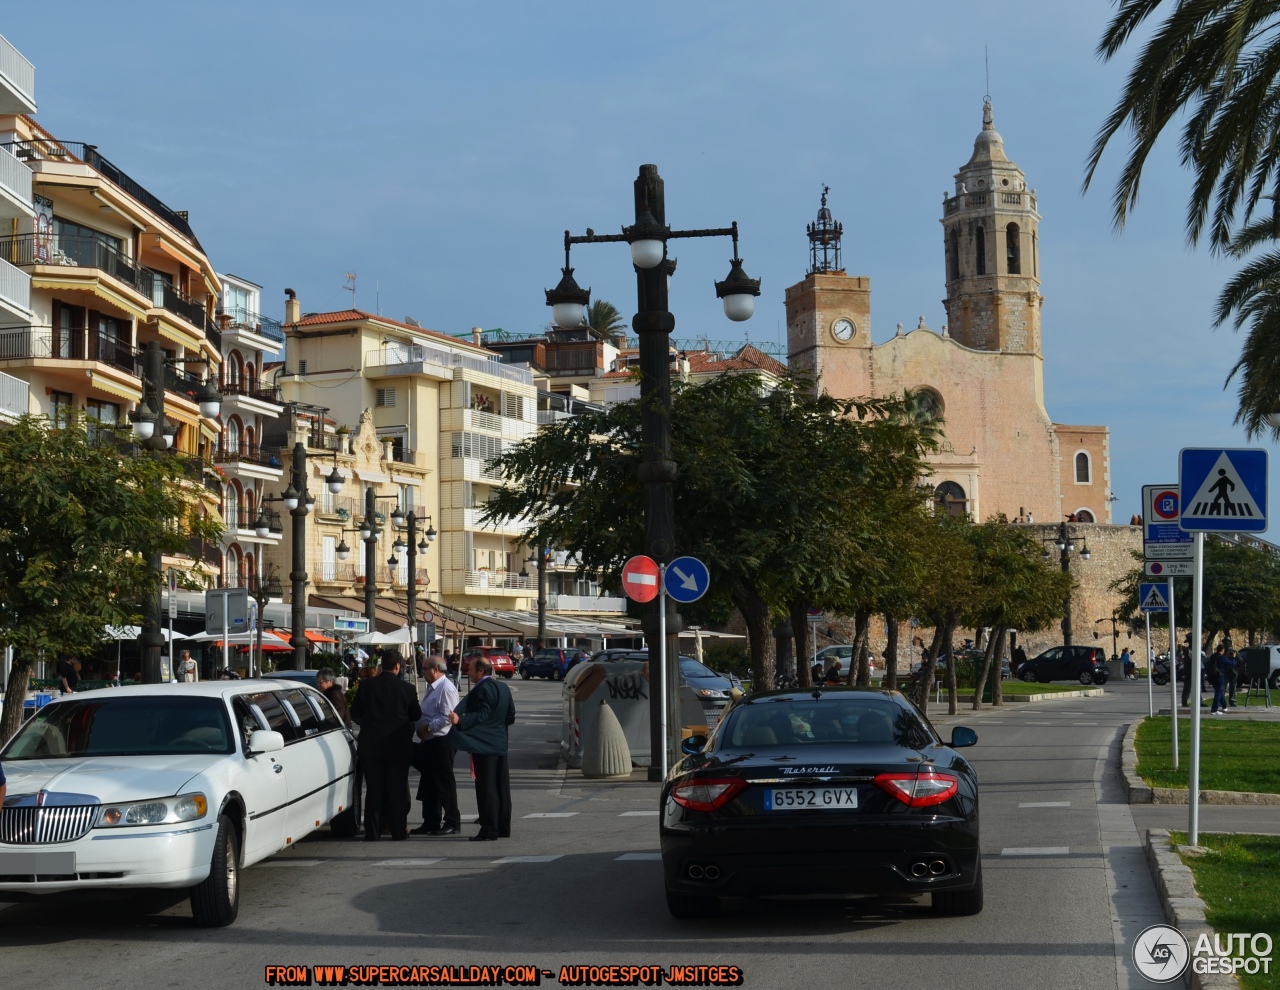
(95, 267)
(414, 415)
(251, 468)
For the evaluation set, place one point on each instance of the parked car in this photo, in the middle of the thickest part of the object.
(876, 802)
(551, 663)
(1258, 658)
(496, 655)
(712, 689)
(843, 653)
(1086, 664)
(304, 676)
(204, 779)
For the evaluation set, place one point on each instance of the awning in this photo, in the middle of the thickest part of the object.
(371, 475)
(311, 634)
(168, 327)
(94, 287)
(115, 388)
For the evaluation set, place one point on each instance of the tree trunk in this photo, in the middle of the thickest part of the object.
(755, 611)
(800, 628)
(890, 682)
(997, 688)
(859, 668)
(951, 668)
(924, 683)
(15, 693)
(980, 675)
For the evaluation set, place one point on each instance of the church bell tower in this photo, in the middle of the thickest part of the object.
(991, 242)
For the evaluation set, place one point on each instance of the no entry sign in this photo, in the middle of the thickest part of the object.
(640, 579)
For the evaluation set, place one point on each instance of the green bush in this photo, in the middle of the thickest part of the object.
(324, 658)
(727, 658)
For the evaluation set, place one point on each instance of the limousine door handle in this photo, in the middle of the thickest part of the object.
(277, 768)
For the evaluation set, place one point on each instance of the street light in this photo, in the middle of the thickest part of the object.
(154, 433)
(653, 322)
(540, 558)
(262, 590)
(406, 542)
(1066, 544)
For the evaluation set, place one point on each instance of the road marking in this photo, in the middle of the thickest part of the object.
(1045, 804)
(292, 862)
(1084, 723)
(409, 862)
(637, 857)
(527, 859)
(1035, 851)
(638, 814)
(1041, 723)
(551, 814)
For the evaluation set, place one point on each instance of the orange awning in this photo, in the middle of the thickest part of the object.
(312, 636)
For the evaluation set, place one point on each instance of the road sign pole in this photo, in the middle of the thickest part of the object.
(662, 662)
(1197, 617)
(1173, 672)
(1151, 696)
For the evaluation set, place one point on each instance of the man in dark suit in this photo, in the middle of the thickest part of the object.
(480, 728)
(386, 709)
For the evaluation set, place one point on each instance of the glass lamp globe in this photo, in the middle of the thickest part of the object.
(567, 314)
(646, 253)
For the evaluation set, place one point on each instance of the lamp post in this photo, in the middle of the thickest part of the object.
(1115, 633)
(1065, 542)
(540, 559)
(263, 590)
(653, 322)
(413, 548)
(154, 433)
(369, 534)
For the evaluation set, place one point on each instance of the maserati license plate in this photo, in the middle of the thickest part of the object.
(821, 798)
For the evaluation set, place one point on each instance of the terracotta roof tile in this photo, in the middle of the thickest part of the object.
(352, 315)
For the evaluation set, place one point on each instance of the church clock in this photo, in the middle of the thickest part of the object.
(843, 330)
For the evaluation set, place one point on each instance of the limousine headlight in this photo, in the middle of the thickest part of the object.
(161, 811)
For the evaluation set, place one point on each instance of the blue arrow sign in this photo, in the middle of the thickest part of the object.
(1153, 597)
(1223, 491)
(687, 579)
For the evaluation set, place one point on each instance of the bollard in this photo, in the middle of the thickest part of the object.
(604, 751)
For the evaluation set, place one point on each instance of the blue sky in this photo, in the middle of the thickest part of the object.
(440, 151)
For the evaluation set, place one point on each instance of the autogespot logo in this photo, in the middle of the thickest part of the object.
(1160, 953)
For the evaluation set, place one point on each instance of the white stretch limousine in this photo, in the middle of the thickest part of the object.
(172, 785)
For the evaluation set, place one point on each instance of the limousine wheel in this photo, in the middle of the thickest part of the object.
(215, 902)
(345, 824)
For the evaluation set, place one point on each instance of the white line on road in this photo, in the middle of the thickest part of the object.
(551, 814)
(636, 857)
(1084, 723)
(1045, 804)
(1035, 851)
(638, 814)
(526, 859)
(409, 862)
(292, 862)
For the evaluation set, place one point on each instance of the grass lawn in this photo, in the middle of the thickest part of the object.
(1238, 884)
(1023, 687)
(1235, 755)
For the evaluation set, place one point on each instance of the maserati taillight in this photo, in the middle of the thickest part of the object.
(918, 790)
(707, 794)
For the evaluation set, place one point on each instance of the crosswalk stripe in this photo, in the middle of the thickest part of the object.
(637, 857)
(1045, 804)
(409, 862)
(526, 859)
(551, 814)
(638, 814)
(1035, 851)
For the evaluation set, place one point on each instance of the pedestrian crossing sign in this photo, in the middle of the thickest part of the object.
(1153, 598)
(1223, 491)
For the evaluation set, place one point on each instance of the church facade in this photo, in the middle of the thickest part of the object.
(983, 372)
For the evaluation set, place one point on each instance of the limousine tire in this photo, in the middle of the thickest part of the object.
(215, 901)
(345, 824)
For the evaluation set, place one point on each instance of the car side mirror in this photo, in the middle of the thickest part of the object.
(962, 736)
(693, 745)
(265, 741)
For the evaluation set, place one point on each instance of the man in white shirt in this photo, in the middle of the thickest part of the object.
(433, 756)
(187, 670)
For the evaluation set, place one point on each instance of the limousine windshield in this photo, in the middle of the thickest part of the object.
(124, 726)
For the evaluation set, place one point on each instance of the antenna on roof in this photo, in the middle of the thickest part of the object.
(986, 65)
(351, 286)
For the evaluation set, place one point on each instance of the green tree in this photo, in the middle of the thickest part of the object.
(603, 317)
(945, 594)
(772, 488)
(80, 518)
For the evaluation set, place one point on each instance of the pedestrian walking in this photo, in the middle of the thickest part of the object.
(187, 670)
(437, 788)
(1215, 681)
(386, 708)
(327, 684)
(480, 728)
(1127, 665)
(1230, 664)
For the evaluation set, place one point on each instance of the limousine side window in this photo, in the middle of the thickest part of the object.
(324, 710)
(308, 724)
(247, 720)
(271, 709)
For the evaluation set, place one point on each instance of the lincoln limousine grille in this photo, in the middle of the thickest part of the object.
(39, 826)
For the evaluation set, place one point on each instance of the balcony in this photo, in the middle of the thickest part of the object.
(15, 188)
(248, 453)
(15, 397)
(186, 384)
(241, 320)
(508, 527)
(17, 81)
(171, 299)
(15, 292)
(415, 359)
(30, 343)
(263, 393)
(477, 420)
(585, 603)
(342, 507)
(485, 580)
(87, 154)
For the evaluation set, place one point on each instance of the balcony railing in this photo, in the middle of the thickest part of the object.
(16, 177)
(25, 250)
(250, 322)
(344, 507)
(184, 383)
(393, 356)
(20, 73)
(15, 287)
(68, 345)
(77, 151)
(15, 396)
(264, 393)
(510, 580)
(204, 551)
(585, 603)
(248, 453)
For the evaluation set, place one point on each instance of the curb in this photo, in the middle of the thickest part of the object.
(1183, 907)
(1140, 792)
(1018, 699)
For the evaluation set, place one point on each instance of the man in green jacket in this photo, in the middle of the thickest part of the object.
(480, 728)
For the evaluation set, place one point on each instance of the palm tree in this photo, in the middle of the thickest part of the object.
(603, 317)
(1217, 61)
(1253, 296)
